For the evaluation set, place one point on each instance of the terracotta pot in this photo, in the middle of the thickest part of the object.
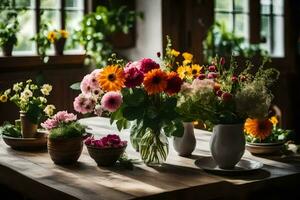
(28, 129)
(7, 49)
(105, 156)
(59, 46)
(65, 151)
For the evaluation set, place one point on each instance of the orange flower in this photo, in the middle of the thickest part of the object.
(274, 120)
(155, 81)
(111, 78)
(258, 128)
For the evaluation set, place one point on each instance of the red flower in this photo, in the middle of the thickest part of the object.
(147, 65)
(234, 79)
(212, 68)
(226, 96)
(222, 61)
(133, 77)
(174, 83)
(202, 76)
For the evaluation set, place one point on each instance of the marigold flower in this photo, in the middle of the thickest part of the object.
(111, 78)
(155, 81)
(187, 56)
(258, 128)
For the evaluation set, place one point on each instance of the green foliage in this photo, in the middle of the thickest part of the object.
(278, 135)
(67, 130)
(9, 24)
(97, 27)
(10, 130)
(219, 41)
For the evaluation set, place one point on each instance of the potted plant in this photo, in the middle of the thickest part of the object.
(58, 38)
(107, 150)
(138, 91)
(31, 99)
(66, 135)
(9, 27)
(225, 98)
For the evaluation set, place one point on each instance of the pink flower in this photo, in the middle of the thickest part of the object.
(109, 141)
(85, 84)
(64, 116)
(49, 124)
(98, 110)
(212, 75)
(111, 101)
(133, 77)
(84, 103)
(147, 65)
(89, 82)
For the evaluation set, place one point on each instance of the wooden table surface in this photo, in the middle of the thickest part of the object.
(35, 176)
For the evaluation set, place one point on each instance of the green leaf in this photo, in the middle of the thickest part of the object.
(75, 86)
(132, 113)
(133, 97)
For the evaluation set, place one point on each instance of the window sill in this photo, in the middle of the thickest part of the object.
(13, 63)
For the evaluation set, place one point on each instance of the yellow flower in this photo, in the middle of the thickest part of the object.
(196, 69)
(51, 36)
(112, 78)
(184, 72)
(274, 120)
(258, 128)
(46, 89)
(64, 33)
(174, 53)
(49, 110)
(3, 98)
(186, 62)
(187, 56)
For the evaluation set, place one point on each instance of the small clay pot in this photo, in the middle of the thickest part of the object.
(28, 129)
(59, 46)
(65, 151)
(105, 156)
(7, 49)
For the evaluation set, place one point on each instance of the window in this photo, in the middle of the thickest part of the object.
(272, 26)
(62, 14)
(235, 15)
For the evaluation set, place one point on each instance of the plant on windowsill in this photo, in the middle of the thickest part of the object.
(97, 29)
(9, 27)
(66, 135)
(219, 41)
(58, 39)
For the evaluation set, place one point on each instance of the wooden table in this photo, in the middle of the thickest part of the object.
(35, 176)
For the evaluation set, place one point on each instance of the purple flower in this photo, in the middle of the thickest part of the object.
(147, 65)
(133, 76)
(111, 101)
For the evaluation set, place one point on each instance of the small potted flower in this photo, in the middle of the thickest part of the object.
(58, 38)
(65, 140)
(31, 99)
(107, 150)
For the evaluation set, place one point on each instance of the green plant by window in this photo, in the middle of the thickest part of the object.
(97, 28)
(9, 24)
(220, 41)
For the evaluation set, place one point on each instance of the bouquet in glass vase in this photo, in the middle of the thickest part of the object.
(225, 98)
(139, 91)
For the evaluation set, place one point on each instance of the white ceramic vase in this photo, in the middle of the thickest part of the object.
(227, 144)
(186, 144)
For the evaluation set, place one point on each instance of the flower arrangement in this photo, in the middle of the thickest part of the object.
(109, 141)
(265, 131)
(55, 35)
(31, 99)
(63, 125)
(140, 91)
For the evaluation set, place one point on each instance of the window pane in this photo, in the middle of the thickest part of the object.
(77, 4)
(278, 7)
(225, 5)
(226, 19)
(265, 33)
(25, 3)
(241, 25)
(241, 5)
(265, 6)
(53, 17)
(278, 36)
(50, 4)
(27, 31)
(73, 19)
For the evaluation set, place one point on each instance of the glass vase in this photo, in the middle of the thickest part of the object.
(136, 133)
(154, 148)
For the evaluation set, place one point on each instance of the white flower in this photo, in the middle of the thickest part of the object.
(33, 87)
(43, 99)
(7, 92)
(46, 89)
(17, 86)
(26, 94)
(49, 110)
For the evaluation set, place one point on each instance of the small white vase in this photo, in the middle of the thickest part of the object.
(227, 144)
(186, 144)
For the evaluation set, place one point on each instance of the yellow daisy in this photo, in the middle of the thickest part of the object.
(51, 36)
(187, 56)
(184, 72)
(196, 70)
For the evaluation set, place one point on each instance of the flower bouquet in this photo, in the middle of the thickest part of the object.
(58, 38)
(107, 150)
(31, 99)
(65, 140)
(139, 91)
(263, 136)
